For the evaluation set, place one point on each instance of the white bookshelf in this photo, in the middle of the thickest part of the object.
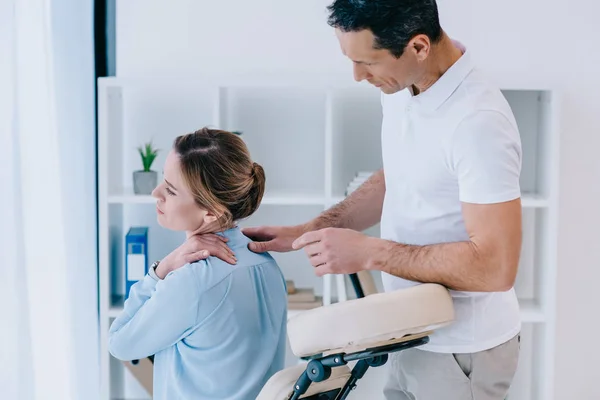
(311, 137)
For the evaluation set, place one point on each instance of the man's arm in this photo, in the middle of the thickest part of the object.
(486, 158)
(488, 261)
(359, 211)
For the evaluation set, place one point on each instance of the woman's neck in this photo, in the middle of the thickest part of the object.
(214, 227)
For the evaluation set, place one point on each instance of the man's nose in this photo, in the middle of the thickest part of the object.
(360, 72)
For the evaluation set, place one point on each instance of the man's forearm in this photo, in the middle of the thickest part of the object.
(359, 211)
(458, 266)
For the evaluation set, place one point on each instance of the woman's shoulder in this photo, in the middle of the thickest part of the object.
(198, 276)
(208, 272)
(212, 271)
(251, 258)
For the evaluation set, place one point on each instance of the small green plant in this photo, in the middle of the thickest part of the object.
(148, 154)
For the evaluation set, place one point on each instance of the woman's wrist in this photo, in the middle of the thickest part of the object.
(163, 268)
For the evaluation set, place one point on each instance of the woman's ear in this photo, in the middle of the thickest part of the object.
(210, 218)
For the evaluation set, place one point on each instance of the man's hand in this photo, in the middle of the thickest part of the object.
(336, 250)
(195, 248)
(273, 238)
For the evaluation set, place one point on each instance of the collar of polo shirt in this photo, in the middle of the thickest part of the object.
(440, 91)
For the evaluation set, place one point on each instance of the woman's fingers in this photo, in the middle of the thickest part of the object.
(224, 248)
(215, 237)
(197, 256)
(222, 251)
(213, 243)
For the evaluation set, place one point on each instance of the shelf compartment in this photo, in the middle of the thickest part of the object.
(355, 124)
(161, 242)
(534, 111)
(139, 114)
(284, 131)
(535, 270)
(531, 312)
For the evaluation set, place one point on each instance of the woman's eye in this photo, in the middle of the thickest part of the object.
(170, 192)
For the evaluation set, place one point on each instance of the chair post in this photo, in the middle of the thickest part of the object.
(357, 286)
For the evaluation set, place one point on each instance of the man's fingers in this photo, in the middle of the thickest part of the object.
(318, 260)
(313, 249)
(322, 269)
(260, 247)
(258, 232)
(307, 238)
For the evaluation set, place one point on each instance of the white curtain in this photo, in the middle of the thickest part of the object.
(48, 288)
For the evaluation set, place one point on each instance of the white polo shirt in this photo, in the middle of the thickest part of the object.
(456, 142)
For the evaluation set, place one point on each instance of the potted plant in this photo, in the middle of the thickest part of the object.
(144, 181)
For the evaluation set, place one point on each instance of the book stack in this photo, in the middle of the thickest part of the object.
(302, 298)
(358, 180)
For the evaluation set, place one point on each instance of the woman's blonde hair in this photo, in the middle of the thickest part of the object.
(217, 167)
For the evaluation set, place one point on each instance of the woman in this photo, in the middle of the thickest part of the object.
(217, 330)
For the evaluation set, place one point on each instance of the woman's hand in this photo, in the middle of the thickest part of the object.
(196, 247)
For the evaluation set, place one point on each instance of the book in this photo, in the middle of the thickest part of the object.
(305, 305)
(291, 288)
(360, 178)
(136, 256)
(302, 295)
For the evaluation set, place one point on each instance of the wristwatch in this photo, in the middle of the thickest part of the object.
(152, 270)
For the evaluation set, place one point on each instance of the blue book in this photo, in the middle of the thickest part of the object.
(136, 251)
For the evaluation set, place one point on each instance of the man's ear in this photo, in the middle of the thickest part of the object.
(420, 46)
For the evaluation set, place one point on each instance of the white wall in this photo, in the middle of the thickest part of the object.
(534, 42)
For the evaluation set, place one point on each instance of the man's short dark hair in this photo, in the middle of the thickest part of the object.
(393, 22)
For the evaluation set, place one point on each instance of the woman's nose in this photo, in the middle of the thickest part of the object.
(156, 193)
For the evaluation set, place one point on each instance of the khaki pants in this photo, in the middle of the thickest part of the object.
(422, 375)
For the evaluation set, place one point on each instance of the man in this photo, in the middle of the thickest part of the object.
(448, 199)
